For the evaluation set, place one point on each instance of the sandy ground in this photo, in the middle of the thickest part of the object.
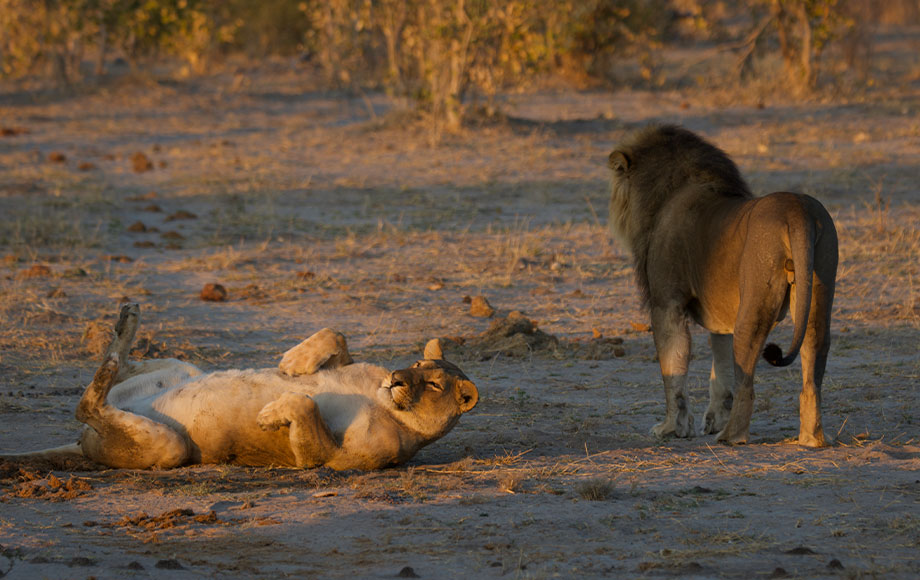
(321, 209)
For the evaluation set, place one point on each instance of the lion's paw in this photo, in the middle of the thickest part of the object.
(685, 424)
(732, 437)
(682, 427)
(717, 414)
(299, 360)
(715, 420)
(273, 417)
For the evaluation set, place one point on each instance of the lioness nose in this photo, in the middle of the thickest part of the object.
(396, 380)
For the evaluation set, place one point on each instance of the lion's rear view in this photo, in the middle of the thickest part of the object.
(705, 249)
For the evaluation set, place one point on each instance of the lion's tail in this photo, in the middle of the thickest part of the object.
(71, 451)
(802, 240)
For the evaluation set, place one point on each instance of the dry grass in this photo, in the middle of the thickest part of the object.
(312, 219)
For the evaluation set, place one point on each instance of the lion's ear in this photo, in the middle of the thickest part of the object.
(467, 395)
(433, 350)
(619, 161)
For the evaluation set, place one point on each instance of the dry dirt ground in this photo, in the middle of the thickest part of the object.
(321, 209)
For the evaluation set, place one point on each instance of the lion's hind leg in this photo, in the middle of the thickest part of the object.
(762, 296)
(671, 332)
(122, 439)
(119, 438)
(325, 349)
(721, 379)
(814, 358)
(312, 443)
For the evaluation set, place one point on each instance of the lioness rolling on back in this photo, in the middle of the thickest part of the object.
(706, 249)
(318, 409)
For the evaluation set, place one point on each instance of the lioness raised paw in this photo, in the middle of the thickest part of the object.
(325, 349)
(284, 410)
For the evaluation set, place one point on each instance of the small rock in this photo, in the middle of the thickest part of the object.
(57, 157)
(13, 131)
(86, 166)
(407, 572)
(213, 293)
(834, 565)
(153, 208)
(120, 258)
(779, 572)
(169, 565)
(480, 307)
(144, 244)
(137, 226)
(801, 551)
(172, 235)
(141, 162)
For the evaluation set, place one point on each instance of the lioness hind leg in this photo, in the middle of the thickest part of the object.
(814, 358)
(721, 379)
(123, 336)
(121, 439)
(311, 440)
(671, 332)
(325, 349)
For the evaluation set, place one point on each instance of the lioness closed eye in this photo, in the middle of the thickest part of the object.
(318, 409)
(706, 249)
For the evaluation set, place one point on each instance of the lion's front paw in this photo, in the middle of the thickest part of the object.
(664, 429)
(299, 360)
(715, 420)
(273, 417)
(685, 425)
(682, 427)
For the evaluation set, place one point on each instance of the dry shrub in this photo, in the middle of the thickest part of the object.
(598, 489)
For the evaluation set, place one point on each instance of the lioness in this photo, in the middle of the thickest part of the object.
(317, 409)
(706, 249)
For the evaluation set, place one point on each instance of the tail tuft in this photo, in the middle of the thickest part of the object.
(773, 354)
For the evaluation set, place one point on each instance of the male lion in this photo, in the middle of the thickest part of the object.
(706, 249)
(318, 409)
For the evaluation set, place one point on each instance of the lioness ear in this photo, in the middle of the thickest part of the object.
(619, 161)
(433, 350)
(467, 395)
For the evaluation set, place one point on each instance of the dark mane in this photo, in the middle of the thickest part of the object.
(654, 164)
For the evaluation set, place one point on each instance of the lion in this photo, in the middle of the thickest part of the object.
(317, 409)
(705, 249)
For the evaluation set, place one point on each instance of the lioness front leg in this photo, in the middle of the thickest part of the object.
(720, 384)
(325, 349)
(672, 341)
(311, 440)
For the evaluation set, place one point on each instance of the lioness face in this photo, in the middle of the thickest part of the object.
(434, 392)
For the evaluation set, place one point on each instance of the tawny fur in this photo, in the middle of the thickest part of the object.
(706, 249)
(318, 409)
